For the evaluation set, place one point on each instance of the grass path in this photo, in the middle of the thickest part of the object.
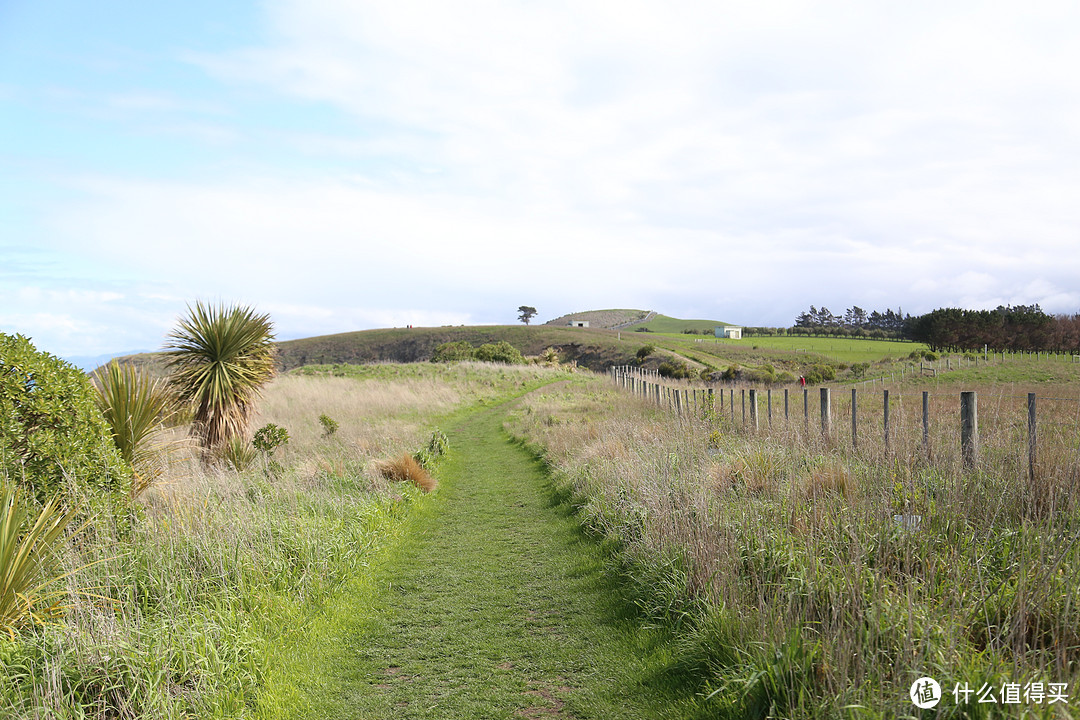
(493, 604)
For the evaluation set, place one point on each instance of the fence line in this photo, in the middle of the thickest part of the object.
(686, 401)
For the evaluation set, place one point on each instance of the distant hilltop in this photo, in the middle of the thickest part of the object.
(605, 319)
(638, 320)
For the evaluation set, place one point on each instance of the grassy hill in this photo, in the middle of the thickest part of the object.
(591, 348)
(665, 324)
(604, 319)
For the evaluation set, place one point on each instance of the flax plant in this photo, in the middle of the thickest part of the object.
(220, 358)
(23, 561)
(136, 408)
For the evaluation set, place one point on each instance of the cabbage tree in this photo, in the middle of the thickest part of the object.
(219, 359)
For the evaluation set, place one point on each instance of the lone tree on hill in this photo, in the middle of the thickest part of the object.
(526, 313)
(219, 360)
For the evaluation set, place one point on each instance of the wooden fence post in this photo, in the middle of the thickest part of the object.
(926, 421)
(786, 417)
(826, 412)
(854, 419)
(969, 427)
(731, 404)
(753, 410)
(768, 398)
(742, 394)
(886, 411)
(806, 407)
(1033, 436)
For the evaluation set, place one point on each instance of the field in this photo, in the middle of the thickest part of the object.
(815, 575)
(741, 559)
(186, 608)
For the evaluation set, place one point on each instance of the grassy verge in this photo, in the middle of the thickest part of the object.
(781, 558)
(181, 610)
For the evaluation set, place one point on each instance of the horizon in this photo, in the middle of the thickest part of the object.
(347, 166)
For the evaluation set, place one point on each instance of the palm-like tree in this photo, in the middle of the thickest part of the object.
(219, 360)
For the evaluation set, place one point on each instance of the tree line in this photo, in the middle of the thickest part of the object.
(1005, 328)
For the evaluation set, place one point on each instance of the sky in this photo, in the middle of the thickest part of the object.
(344, 164)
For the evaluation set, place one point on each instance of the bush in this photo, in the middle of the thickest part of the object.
(500, 352)
(645, 351)
(50, 427)
(453, 352)
(676, 371)
(820, 373)
(329, 425)
(269, 438)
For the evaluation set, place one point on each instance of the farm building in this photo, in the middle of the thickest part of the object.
(578, 323)
(728, 331)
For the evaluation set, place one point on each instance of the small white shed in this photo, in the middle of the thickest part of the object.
(578, 323)
(733, 332)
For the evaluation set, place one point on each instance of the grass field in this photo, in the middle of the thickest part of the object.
(780, 554)
(665, 324)
(181, 613)
(740, 574)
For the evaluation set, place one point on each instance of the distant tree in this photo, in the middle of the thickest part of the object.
(526, 313)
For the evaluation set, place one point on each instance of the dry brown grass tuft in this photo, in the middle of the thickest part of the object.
(406, 469)
(831, 477)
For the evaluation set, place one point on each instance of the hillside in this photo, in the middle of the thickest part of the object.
(593, 349)
(604, 319)
(663, 324)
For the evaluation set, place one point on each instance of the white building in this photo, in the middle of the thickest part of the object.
(733, 332)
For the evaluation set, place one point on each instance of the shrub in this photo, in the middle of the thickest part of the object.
(453, 352)
(730, 373)
(436, 448)
(50, 427)
(676, 371)
(820, 373)
(269, 438)
(645, 351)
(499, 352)
(329, 425)
(763, 375)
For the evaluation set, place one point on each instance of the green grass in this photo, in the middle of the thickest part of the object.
(665, 324)
(492, 604)
(795, 348)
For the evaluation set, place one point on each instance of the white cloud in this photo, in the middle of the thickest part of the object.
(744, 158)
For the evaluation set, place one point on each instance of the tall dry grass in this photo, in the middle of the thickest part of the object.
(814, 575)
(195, 593)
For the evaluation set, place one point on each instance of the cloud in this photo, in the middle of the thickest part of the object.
(741, 160)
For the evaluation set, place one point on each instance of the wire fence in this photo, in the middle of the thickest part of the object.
(1024, 433)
